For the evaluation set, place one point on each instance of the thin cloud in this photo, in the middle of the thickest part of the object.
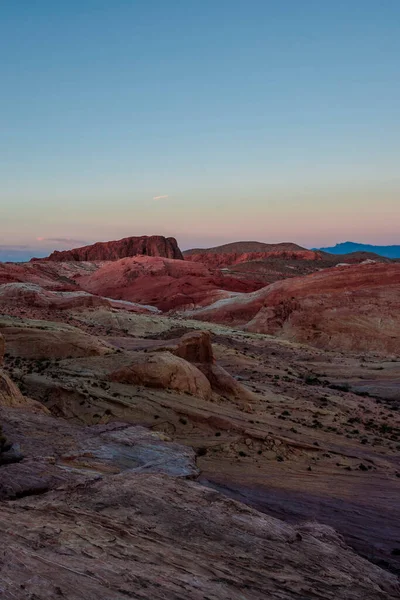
(65, 240)
(161, 197)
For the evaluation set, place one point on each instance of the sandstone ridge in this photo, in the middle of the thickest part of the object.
(349, 308)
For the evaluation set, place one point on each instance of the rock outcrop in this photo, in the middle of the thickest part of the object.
(112, 511)
(164, 370)
(32, 298)
(155, 536)
(354, 308)
(235, 257)
(42, 339)
(155, 245)
(161, 282)
(194, 346)
(9, 392)
(31, 294)
(263, 264)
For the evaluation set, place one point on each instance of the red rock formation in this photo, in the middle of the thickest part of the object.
(186, 365)
(246, 247)
(161, 282)
(50, 275)
(227, 259)
(263, 264)
(350, 308)
(195, 347)
(155, 245)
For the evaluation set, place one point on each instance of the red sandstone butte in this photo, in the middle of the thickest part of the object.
(154, 245)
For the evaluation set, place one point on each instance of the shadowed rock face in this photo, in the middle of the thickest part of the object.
(155, 245)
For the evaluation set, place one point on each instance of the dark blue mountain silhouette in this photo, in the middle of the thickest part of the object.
(347, 247)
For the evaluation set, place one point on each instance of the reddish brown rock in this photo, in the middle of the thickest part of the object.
(262, 264)
(161, 282)
(347, 308)
(195, 347)
(155, 245)
(9, 393)
(227, 259)
(49, 275)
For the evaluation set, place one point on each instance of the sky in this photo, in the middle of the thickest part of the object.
(208, 121)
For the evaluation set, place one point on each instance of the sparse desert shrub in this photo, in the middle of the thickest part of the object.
(311, 379)
(3, 440)
(202, 451)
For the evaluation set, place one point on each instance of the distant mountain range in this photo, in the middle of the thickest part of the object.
(8, 254)
(348, 247)
(22, 254)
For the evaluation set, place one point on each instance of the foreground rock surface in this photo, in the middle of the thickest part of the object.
(113, 515)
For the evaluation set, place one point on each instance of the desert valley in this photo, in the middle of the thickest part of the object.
(220, 423)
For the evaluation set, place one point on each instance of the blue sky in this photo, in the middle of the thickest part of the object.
(262, 120)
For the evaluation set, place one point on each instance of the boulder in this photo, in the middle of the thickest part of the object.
(195, 347)
(164, 370)
(9, 392)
